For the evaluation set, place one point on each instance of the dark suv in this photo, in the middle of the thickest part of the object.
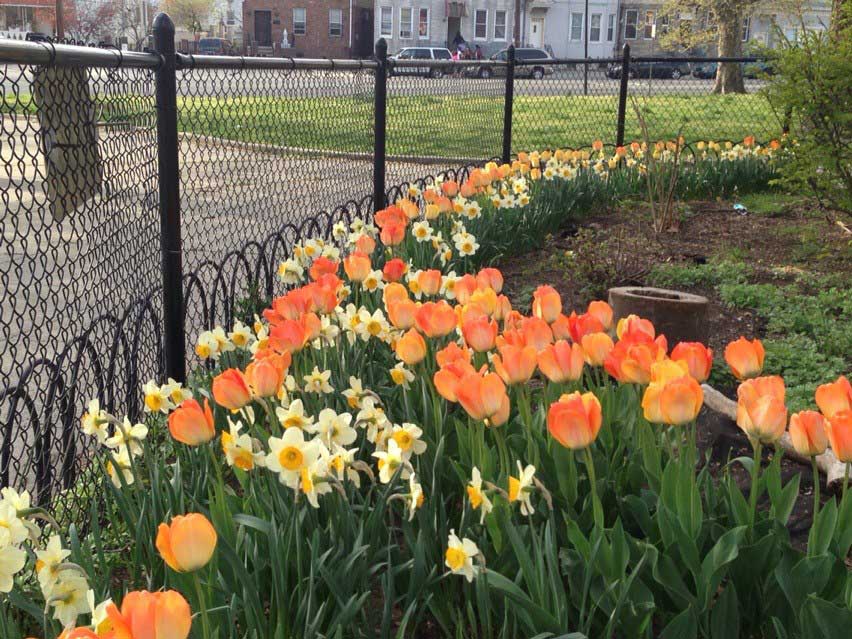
(658, 69)
(525, 55)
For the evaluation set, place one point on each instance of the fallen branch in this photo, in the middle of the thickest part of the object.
(827, 462)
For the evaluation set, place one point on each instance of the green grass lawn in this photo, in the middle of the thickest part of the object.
(462, 125)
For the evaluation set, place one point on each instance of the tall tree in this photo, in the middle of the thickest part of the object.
(192, 14)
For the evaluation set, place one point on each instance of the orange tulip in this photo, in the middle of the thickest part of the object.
(547, 304)
(467, 190)
(580, 325)
(515, 364)
(673, 396)
(482, 396)
(630, 361)
(187, 543)
(365, 244)
(834, 397)
(502, 415)
(698, 358)
(464, 288)
(602, 311)
(561, 362)
(536, 333)
(807, 432)
(490, 278)
(411, 347)
(394, 270)
(287, 336)
(839, 431)
(745, 358)
(322, 266)
(152, 615)
(596, 348)
(394, 292)
(429, 281)
(401, 313)
(231, 390)
(357, 266)
(191, 425)
(266, 375)
(502, 308)
(448, 378)
(575, 420)
(485, 300)
(450, 188)
(480, 333)
(452, 352)
(561, 327)
(390, 215)
(761, 412)
(77, 633)
(408, 207)
(392, 234)
(435, 319)
(634, 327)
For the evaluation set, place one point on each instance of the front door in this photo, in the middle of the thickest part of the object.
(263, 28)
(454, 33)
(536, 32)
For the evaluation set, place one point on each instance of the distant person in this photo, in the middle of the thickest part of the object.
(477, 53)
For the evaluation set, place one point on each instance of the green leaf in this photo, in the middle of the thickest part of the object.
(543, 620)
(822, 530)
(725, 615)
(725, 550)
(684, 626)
(820, 618)
(844, 525)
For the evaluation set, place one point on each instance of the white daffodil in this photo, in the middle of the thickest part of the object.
(176, 392)
(291, 272)
(94, 422)
(317, 382)
(372, 325)
(340, 463)
(70, 597)
(448, 285)
(421, 231)
(18, 501)
(290, 454)
(415, 496)
(241, 335)
(128, 436)
(313, 480)
(355, 393)
(521, 487)
(294, 416)
(459, 556)
(334, 428)
(401, 376)
(373, 282)
(472, 210)
(48, 562)
(466, 244)
(12, 528)
(388, 461)
(478, 499)
(339, 230)
(12, 560)
(371, 417)
(407, 437)
(120, 467)
(238, 448)
(157, 398)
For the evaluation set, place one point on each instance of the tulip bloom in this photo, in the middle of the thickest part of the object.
(429, 281)
(450, 188)
(634, 327)
(231, 390)
(834, 397)
(78, 633)
(580, 325)
(287, 336)
(151, 615)
(452, 352)
(482, 396)
(357, 266)
(480, 333)
(392, 234)
(515, 364)
(698, 358)
(394, 269)
(807, 433)
(266, 375)
(547, 304)
(435, 319)
(187, 543)
(411, 347)
(673, 397)
(596, 348)
(561, 362)
(448, 378)
(401, 313)
(536, 333)
(561, 328)
(394, 292)
(365, 244)
(745, 358)
(322, 266)
(191, 425)
(464, 288)
(575, 420)
(490, 278)
(761, 412)
(602, 311)
(839, 431)
(630, 362)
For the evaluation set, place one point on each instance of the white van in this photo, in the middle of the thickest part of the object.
(421, 53)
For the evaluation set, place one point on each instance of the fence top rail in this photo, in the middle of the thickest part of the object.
(192, 61)
(619, 60)
(48, 53)
(440, 64)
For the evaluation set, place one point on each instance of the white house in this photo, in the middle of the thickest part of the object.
(559, 26)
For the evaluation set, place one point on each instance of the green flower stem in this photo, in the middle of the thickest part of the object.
(502, 450)
(845, 481)
(816, 487)
(597, 507)
(755, 477)
(205, 620)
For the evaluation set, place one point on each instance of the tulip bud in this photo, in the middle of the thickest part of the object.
(187, 543)
(191, 425)
(575, 420)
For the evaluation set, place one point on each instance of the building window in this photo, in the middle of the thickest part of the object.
(662, 25)
(610, 27)
(423, 24)
(648, 31)
(631, 17)
(499, 25)
(405, 23)
(746, 28)
(17, 18)
(595, 27)
(335, 23)
(576, 32)
(480, 24)
(300, 26)
(386, 21)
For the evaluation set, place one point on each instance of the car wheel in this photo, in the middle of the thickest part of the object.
(537, 74)
(485, 73)
(437, 74)
(676, 74)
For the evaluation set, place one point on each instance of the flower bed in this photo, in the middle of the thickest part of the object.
(391, 448)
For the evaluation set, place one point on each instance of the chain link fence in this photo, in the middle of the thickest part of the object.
(269, 152)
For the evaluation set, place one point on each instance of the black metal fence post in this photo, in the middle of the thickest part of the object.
(508, 105)
(380, 124)
(169, 178)
(622, 95)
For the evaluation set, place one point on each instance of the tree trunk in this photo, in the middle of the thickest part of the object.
(729, 75)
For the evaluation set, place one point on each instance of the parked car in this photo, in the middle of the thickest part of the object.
(421, 53)
(214, 46)
(642, 69)
(527, 55)
(705, 71)
(32, 36)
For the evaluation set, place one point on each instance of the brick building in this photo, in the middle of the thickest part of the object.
(18, 17)
(313, 28)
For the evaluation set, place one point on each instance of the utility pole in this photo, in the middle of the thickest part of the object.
(586, 49)
(60, 20)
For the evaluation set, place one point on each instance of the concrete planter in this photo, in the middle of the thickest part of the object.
(681, 317)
